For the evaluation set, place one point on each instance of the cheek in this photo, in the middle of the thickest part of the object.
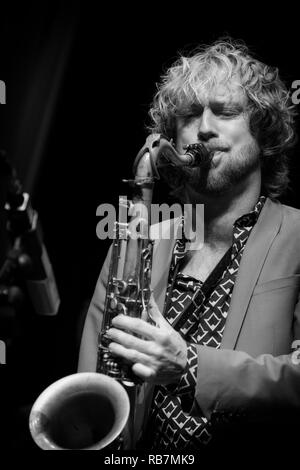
(184, 136)
(184, 130)
(238, 133)
(187, 132)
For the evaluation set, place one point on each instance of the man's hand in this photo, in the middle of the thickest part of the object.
(158, 355)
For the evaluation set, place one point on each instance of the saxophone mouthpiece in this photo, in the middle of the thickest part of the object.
(198, 153)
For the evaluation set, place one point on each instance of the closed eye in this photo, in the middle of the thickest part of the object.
(220, 109)
(228, 113)
(192, 111)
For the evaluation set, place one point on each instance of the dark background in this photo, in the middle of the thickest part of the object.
(79, 81)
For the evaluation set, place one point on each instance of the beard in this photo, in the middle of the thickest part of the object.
(211, 180)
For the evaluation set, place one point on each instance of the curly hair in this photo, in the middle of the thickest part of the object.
(271, 113)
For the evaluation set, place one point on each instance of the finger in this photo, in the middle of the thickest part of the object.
(130, 355)
(142, 371)
(155, 313)
(136, 325)
(130, 341)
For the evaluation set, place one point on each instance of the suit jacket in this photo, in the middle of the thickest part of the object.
(254, 372)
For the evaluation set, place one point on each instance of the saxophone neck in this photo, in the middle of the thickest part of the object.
(157, 148)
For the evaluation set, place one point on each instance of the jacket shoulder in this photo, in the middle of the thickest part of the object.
(291, 215)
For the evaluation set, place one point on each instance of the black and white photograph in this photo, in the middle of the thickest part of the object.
(150, 232)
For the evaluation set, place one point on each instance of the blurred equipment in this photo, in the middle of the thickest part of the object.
(26, 264)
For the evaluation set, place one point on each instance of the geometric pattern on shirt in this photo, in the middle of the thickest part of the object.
(172, 425)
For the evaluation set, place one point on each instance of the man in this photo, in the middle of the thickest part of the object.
(221, 355)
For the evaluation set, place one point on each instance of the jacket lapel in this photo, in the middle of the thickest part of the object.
(164, 235)
(256, 250)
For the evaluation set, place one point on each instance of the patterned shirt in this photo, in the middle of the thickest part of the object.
(171, 427)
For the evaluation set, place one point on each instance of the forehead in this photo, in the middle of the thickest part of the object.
(227, 92)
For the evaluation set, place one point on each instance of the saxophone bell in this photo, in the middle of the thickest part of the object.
(85, 411)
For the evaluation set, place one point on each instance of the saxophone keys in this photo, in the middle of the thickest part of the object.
(122, 308)
(113, 303)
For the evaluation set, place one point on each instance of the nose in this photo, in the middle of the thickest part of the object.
(206, 128)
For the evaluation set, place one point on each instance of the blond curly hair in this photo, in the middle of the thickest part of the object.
(269, 105)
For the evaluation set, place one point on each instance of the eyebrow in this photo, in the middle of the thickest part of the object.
(219, 105)
(190, 108)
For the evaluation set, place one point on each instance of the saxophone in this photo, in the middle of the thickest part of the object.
(92, 410)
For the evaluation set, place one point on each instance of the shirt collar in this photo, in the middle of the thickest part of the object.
(246, 220)
(250, 219)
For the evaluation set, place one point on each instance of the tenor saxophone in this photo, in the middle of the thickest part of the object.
(92, 410)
